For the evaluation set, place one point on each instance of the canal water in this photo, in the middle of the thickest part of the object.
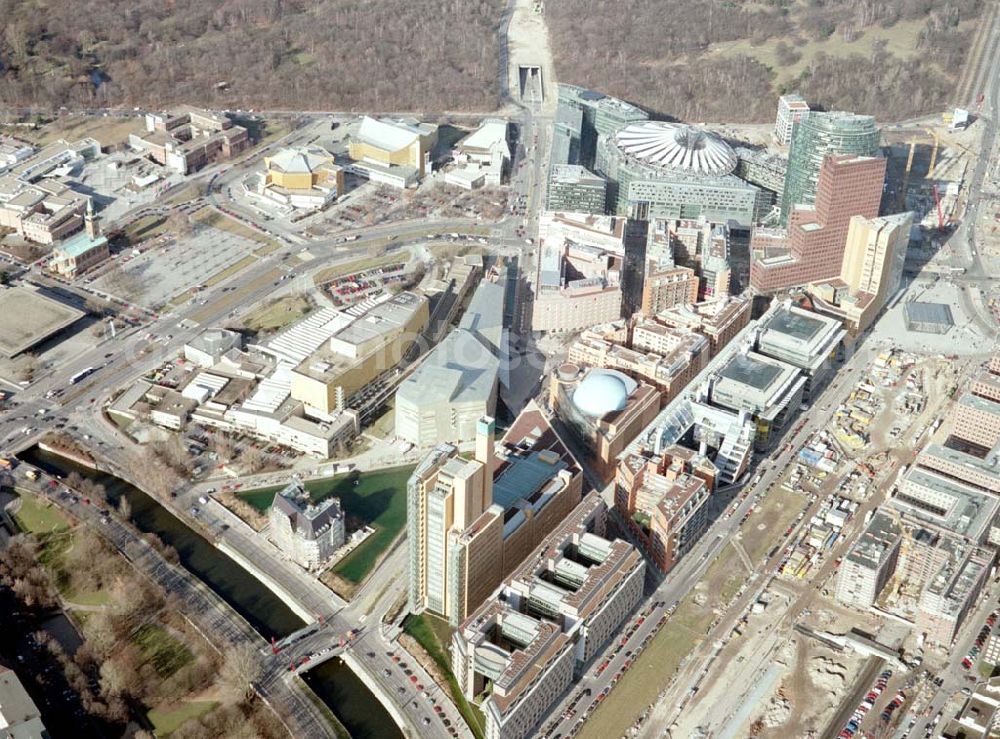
(343, 691)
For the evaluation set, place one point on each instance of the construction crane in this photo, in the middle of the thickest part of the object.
(901, 200)
(934, 151)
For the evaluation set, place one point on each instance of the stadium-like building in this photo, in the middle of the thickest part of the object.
(675, 170)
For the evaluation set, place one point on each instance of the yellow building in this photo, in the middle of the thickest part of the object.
(389, 144)
(470, 522)
(871, 271)
(361, 351)
(302, 176)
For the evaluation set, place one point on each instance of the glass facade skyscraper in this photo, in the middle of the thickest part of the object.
(816, 137)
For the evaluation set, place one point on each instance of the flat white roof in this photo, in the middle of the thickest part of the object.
(389, 135)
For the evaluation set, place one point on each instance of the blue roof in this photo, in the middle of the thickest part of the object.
(81, 244)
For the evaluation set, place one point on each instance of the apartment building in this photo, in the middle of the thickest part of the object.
(307, 533)
(719, 320)
(791, 109)
(870, 563)
(663, 498)
(523, 647)
(952, 591)
(666, 358)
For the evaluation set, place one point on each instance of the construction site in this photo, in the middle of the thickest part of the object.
(927, 169)
(802, 661)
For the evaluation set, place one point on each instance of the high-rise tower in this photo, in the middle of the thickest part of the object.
(813, 139)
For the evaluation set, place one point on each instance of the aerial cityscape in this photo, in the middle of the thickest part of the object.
(500, 370)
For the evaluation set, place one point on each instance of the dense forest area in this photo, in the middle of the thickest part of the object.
(890, 58)
(290, 54)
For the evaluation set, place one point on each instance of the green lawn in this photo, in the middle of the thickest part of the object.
(93, 598)
(37, 516)
(280, 313)
(215, 219)
(378, 500)
(162, 650)
(229, 271)
(145, 228)
(434, 635)
(167, 720)
(358, 265)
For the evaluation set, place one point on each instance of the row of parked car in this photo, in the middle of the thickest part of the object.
(970, 659)
(852, 726)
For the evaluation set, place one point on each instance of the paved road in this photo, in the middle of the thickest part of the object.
(690, 570)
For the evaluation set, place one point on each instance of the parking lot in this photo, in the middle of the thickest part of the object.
(162, 273)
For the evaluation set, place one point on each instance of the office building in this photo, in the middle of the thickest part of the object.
(801, 338)
(582, 117)
(814, 138)
(459, 380)
(980, 471)
(43, 212)
(82, 252)
(19, 716)
(870, 563)
(574, 189)
(767, 389)
(765, 170)
(470, 522)
(364, 344)
(976, 420)
(307, 533)
(871, 271)
(578, 282)
(186, 139)
(392, 151)
(675, 170)
(791, 109)
(952, 591)
(301, 177)
(811, 248)
(521, 650)
(604, 408)
(664, 500)
(719, 320)
(697, 244)
(977, 715)
(943, 506)
(738, 399)
(725, 437)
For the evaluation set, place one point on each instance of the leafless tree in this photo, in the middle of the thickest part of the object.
(240, 668)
